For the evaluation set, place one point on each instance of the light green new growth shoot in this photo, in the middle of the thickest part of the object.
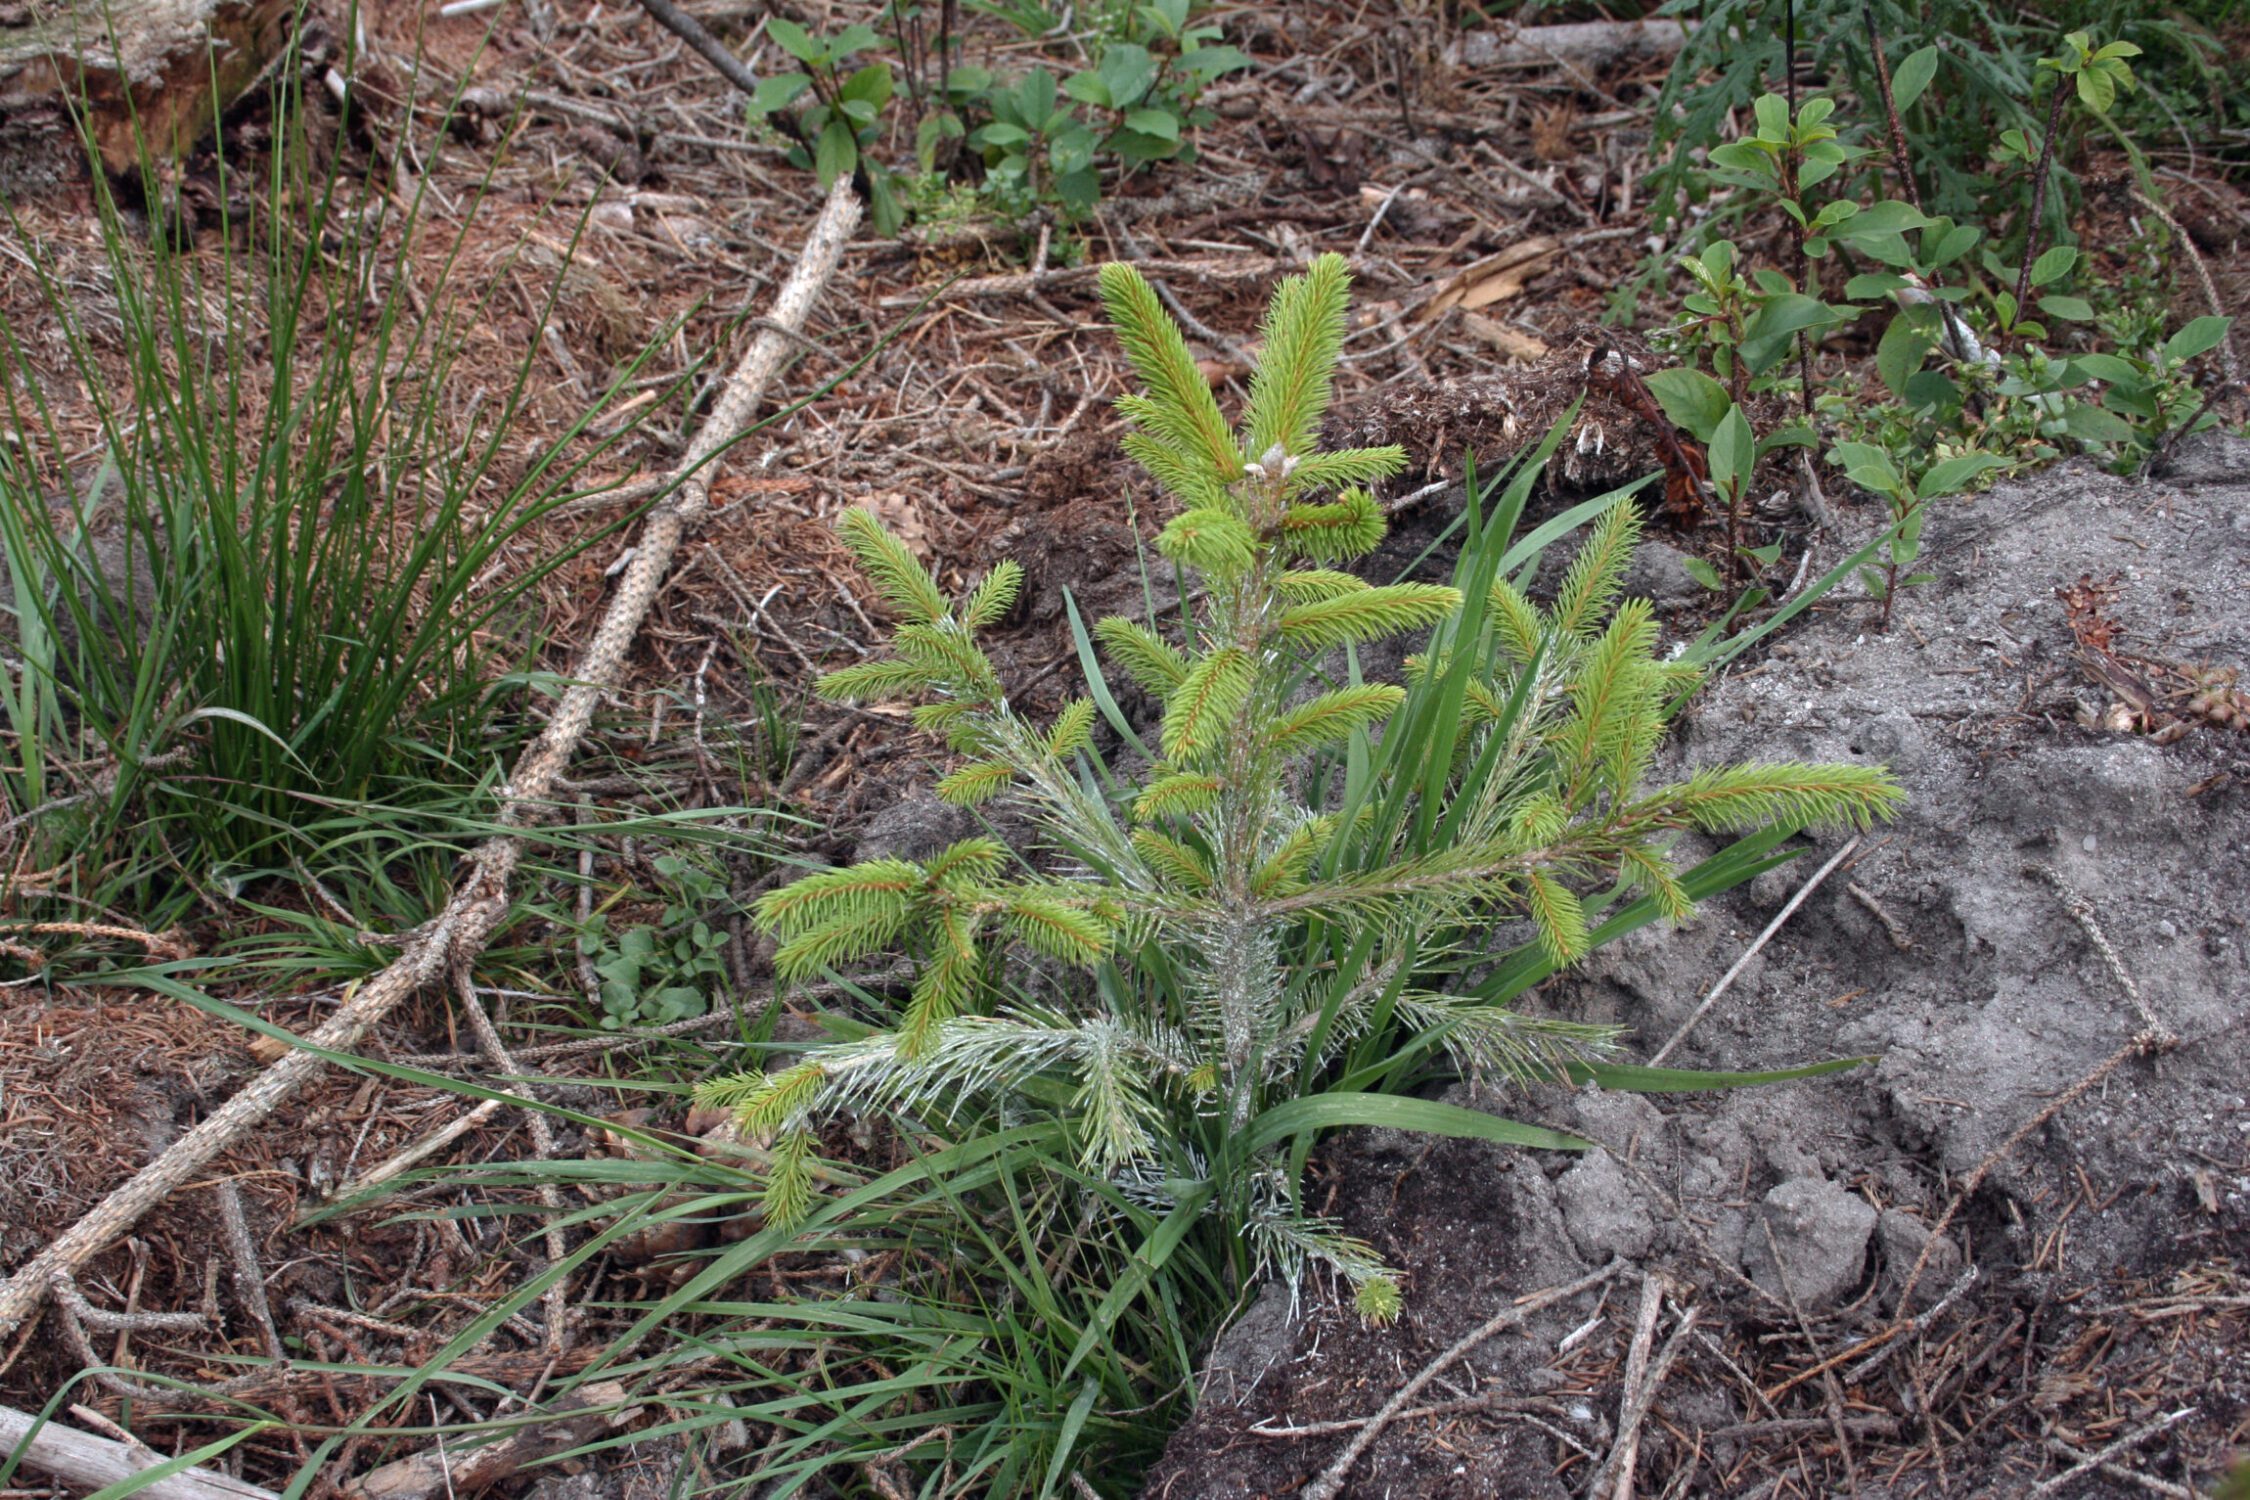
(1207, 903)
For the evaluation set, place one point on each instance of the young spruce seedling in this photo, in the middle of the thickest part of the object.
(1256, 909)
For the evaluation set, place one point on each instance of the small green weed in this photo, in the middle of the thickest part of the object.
(310, 618)
(1983, 73)
(1976, 384)
(1016, 141)
(669, 970)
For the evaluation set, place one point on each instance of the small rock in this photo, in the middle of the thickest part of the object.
(2208, 459)
(1888, 737)
(916, 827)
(1770, 890)
(128, 584)
(1603, 1213)
(1659, 574)
(1625, 1123)
(1902, 1237)
(1821, 1231)
(1547, 1251)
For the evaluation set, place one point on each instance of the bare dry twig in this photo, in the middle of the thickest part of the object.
(1726, 980)
(1330, 1482)
(1643, 1380)
(542, 1145)
(2128, 1442)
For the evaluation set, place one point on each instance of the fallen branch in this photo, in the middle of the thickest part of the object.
(2129, 1441)
(1330, 1482)
(2081, 911)
(480, 899)
(1200, 271)
(1642, 1381)
(86, 1462)
(429, 1145)
(590, 1413)
(1636, 1375)
(2148, 1482)
(542, 1145)
(1573, 45)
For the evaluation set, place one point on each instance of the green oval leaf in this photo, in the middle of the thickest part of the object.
(2054, 265)
(1161, 123)
(795, 40)
(1694, 402)
(2198, 337)
(836, 153)
(1912, 76)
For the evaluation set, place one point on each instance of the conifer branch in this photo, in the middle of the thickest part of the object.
(1347, 619)
(1331, 717)
(1303, 333)
(1349, 526)
(1348, 466)
(1725, 799)
(1179, 405)
(896, 573)
(1203, 705)
(1147, 657)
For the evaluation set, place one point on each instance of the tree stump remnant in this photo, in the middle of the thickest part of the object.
(142, 71)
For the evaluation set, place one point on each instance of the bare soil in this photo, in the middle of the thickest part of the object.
(2075, 1123)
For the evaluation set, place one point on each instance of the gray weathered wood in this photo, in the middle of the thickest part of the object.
(1589, 45)
(85, 1462)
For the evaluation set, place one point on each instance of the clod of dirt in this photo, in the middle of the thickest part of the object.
(1904, 1239)
(1659, 574)
(916, 827)
(1819, 1233)
(1603, 1212)
(1257, 1341)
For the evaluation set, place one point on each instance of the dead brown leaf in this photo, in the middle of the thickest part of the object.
(1510, 343)
(1495, 278)
(902, 516)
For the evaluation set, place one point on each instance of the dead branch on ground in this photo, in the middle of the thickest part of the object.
(480, 900)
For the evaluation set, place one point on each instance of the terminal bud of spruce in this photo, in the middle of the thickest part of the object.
(1241, 929)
